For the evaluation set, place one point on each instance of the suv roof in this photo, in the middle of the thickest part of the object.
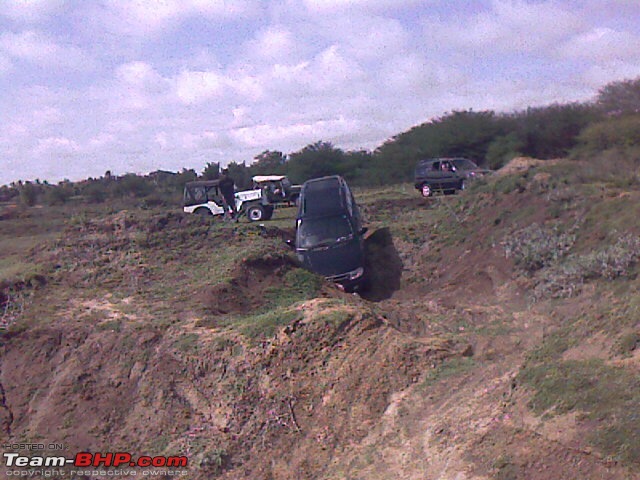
(440, 159)
(203, 183)
(322, 196)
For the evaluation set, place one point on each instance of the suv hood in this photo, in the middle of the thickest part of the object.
(335, 259)
(476, 172)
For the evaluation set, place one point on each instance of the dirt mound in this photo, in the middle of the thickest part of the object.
(522, 164)
(336, 361)
(247, 289)
(283, 234)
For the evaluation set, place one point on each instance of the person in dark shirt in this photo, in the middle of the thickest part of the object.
(227, 189)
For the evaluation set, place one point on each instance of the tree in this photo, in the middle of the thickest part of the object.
(552, 131)
(269, 163)
(211, 171)
(457, 134)
(133, 185)
(622, 97)
(503, 149)
(315, 160)
(240, 174)
(56, 195)
(29, 194)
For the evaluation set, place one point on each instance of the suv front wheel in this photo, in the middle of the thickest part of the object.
(426, 190)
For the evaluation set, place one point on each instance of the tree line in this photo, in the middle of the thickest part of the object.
(609, 122)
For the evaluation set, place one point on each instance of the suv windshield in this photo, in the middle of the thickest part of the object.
(464, 164)
(325, 231)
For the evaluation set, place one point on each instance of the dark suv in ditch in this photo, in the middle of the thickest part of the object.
(445, 174)
(329, 233)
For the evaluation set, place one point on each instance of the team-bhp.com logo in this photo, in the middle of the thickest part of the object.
(85, 459)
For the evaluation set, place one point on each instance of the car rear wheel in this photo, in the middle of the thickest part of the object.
(426, 190)
(255, 213)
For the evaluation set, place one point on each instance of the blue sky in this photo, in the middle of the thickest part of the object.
(139, 85)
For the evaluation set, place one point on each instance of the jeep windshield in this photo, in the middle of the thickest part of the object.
(464, 164)
(323, 232)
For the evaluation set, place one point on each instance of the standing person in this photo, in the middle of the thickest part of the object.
(227, 189)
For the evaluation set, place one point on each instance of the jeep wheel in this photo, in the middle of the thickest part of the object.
(426, 190)
(255, 213)
(203, 212)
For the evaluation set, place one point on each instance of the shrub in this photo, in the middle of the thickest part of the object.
(29, 194)
(621, 132)
(609, 262)
(535, 247)
(55, 196)
(503, 149)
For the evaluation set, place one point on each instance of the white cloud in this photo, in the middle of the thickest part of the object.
(247, 87)
(602, 44)
(597, 76)
(273, 43)
(509, 26)
(333, 69)
(142, 17)
(30, 10)
(366, 37)
(368, 5)
(413, 74)
(300, 133)
(197, 87)
(5, 64)
(56, 146)
(178, 83)
(39, 49)
(100, 141)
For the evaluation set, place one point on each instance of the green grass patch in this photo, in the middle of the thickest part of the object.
(187, 342)
(335, 318)
(447, 369)
(298, 284)
(266, 324)
(607, 395)
(15, 269)
(110, 325)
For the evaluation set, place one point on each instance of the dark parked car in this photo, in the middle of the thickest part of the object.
(329, 232)
(445, 174)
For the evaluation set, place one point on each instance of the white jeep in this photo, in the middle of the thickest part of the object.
(203, 197)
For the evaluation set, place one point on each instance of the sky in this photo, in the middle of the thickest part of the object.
(133, 86)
